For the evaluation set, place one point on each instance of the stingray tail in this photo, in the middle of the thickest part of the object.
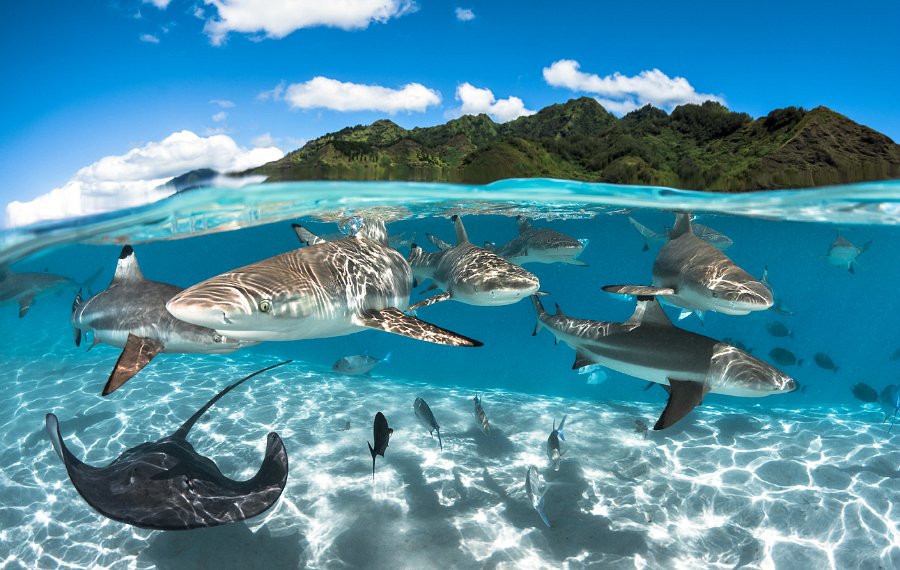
(186, 426)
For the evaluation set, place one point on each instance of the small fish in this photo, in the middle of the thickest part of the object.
(864, 393)
(381, 433)
(641, 428)
(359, 364)
(824, 361)
(535, 488)
(426, 418)
(889, 399)
(554, 451)
(778, 304)
(778, 329)
(842, 253)
(737, 344)
(480, 416)
(785, 357)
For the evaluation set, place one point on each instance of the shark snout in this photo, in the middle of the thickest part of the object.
(213, 306)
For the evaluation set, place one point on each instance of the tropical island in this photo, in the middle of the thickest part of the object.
(699, 147)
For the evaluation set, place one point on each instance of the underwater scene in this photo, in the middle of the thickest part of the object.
(528, 374)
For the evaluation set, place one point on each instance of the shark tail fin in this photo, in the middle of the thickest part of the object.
(76, 304)
(372, 451)
(539, 309)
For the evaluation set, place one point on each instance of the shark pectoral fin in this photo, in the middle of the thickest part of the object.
(78, 337)
(445, 296)
(577, 262)
(138, 352)
(395, 321)
(25, 304)
(637, 290)
(581, 361)
(684, 397)
(94, 341)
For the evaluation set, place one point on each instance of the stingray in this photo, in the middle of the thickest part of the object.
(167, 485)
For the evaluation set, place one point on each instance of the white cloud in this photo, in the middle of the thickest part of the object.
(325, 93)
(275, 93)
(623, 93)
(161, 4)
(149, 38)
(219, 117)
(278, 19)
(464, 14)
(475, 101)
(132, 179)
(222, 103)
(265, 139)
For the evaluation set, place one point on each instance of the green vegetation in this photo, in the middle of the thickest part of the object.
(702, 147)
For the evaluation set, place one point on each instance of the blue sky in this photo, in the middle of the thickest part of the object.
(85, 80)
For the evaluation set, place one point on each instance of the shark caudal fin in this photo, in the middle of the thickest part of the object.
(76, 304)
(395, 321)
(540, 312)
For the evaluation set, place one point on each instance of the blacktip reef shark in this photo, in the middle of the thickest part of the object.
(470, 274)
(713, 237)
(540, 245)
(650, 347)
(842, 253)
(22, 287)
(329, 288)
(131, 314)
(691, 274)
(167, 485)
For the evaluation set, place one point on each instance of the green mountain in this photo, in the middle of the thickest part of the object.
(701, 147)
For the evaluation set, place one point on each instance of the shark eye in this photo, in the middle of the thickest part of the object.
(217, 337)
(715, 295)
(265, 305)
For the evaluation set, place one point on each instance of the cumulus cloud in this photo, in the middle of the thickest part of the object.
(475, 100)
(325, 93)
(219, 117)
(222, 103)
(623, 93)
(133, 178)
(278, 19)
(149, 38)
(464, 14)
(275, 93)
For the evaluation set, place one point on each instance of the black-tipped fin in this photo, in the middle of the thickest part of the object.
(395, 321)
(461, 236)
(25, 304)
(305, 236)
(127, 268)
(582, 360)
(137, 354)
(683, 397)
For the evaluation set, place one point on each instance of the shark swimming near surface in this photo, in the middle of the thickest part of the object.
(470, 274)
(426, 418)
(842, 253)
(540, 245)
(22, 287)
(167, 485)
(131, 314)
(330, 288)
(650, 347)
(713, 237)
(691, 274)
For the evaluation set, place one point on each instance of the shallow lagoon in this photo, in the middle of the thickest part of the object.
(797, 480)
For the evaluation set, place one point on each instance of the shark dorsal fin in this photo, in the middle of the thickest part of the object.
(127, 269)
(649, 311)
(374, 230)
(182, 432)
(461, 236)
(523, 223)
(682, 225)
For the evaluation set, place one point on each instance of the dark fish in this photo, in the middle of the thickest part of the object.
(426, 418)
(778, 329)
(864, 393)
(737, 344)
(824, 361)
(381, 433)
(358, 364)
(167, 485)
(785, 357)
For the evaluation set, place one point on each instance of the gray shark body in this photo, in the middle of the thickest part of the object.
(842, 253)
(131, 314)
(540, 245)
(167, 485)
(331, 288)
(22, 288)
(471, 274)
(651, 238)
(649, 347)
(426, 418)
(691, 274)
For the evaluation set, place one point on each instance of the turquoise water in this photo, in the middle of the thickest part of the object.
(796, 480)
